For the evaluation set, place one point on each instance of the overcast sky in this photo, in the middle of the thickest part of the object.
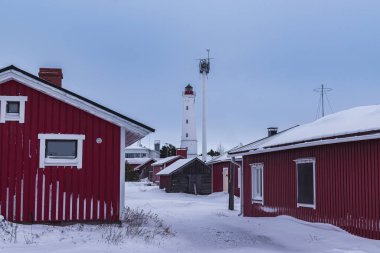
(137, 56)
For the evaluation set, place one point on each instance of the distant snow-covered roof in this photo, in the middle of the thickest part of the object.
(138, 160)
(175, 166)
(357, 120)
(222, 158)
(166, 160)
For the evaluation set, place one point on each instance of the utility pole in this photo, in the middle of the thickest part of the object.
(204, 69)
(231, 186)
(323, 95)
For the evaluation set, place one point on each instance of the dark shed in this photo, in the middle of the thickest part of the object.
(188, 176)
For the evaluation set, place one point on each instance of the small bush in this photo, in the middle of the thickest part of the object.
(8, 231)
(135, 224)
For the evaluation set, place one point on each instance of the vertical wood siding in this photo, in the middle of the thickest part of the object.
(57, 194)
(347, 186)
(217, 177)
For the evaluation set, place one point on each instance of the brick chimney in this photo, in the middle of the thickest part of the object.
(52, 75)
(182, 152)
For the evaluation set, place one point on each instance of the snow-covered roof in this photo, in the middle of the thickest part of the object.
(222, 158)
(256, 144)
(208, 158)
(138, 160)
(166, 160)
(341, 125)
(176, 166)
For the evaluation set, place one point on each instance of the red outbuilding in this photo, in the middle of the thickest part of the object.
(221, 167)
(325, 171)
(62, 155)
(162, 164)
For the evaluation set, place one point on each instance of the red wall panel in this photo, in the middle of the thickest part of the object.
(57, 193)
(347, 186)
(217, 177)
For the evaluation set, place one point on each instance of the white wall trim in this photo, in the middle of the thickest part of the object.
(72, 100)
(122, 173)
(4, 116)
(307, 160)
(45, 161)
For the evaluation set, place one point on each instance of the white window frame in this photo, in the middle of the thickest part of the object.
(255, 198)
(306, 160)
(76, 162)
(4, 116)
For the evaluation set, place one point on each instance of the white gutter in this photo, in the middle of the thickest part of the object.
(241, 184)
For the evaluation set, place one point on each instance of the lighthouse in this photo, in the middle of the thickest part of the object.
(189, 132)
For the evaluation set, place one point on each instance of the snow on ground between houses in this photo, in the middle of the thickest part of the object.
(197, 224)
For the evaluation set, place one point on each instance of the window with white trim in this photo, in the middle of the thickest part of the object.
(305, 182)
(61, 150)
(257, 173)
(12, 108)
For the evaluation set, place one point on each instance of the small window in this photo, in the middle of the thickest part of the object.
(257, 170)
(61, 150)
(13, 107)
(187, 135)
(187, 107)
(187, 121)
(305, 182)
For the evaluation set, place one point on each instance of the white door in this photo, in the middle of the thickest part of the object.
(225, 179)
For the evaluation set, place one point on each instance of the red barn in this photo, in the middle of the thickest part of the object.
(162, 164)
(325, 171)
(221, 171)
(62, 155)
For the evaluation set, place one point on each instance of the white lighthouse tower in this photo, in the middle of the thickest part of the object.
(189, 131)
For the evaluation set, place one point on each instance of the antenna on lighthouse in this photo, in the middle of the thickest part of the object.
(322, 98)
(204, 70)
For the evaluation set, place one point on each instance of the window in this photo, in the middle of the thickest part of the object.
(305, 182)
(257, 170)
(187, 135)
(187, 107)
(12, 108)
(187, 121)
(61, 150)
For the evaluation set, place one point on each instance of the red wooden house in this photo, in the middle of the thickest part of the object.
(162, 164)
(221, 171)
(325, 171)
(62, 155)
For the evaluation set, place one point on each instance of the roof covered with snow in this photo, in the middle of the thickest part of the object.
(139, 161)
(166, 160)
(176, 166)
(222, 158)
(256, 144)
(344, 124)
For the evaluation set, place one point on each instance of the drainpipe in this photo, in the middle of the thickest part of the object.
(241, 184)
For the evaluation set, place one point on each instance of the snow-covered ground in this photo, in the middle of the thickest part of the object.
(197, 224)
